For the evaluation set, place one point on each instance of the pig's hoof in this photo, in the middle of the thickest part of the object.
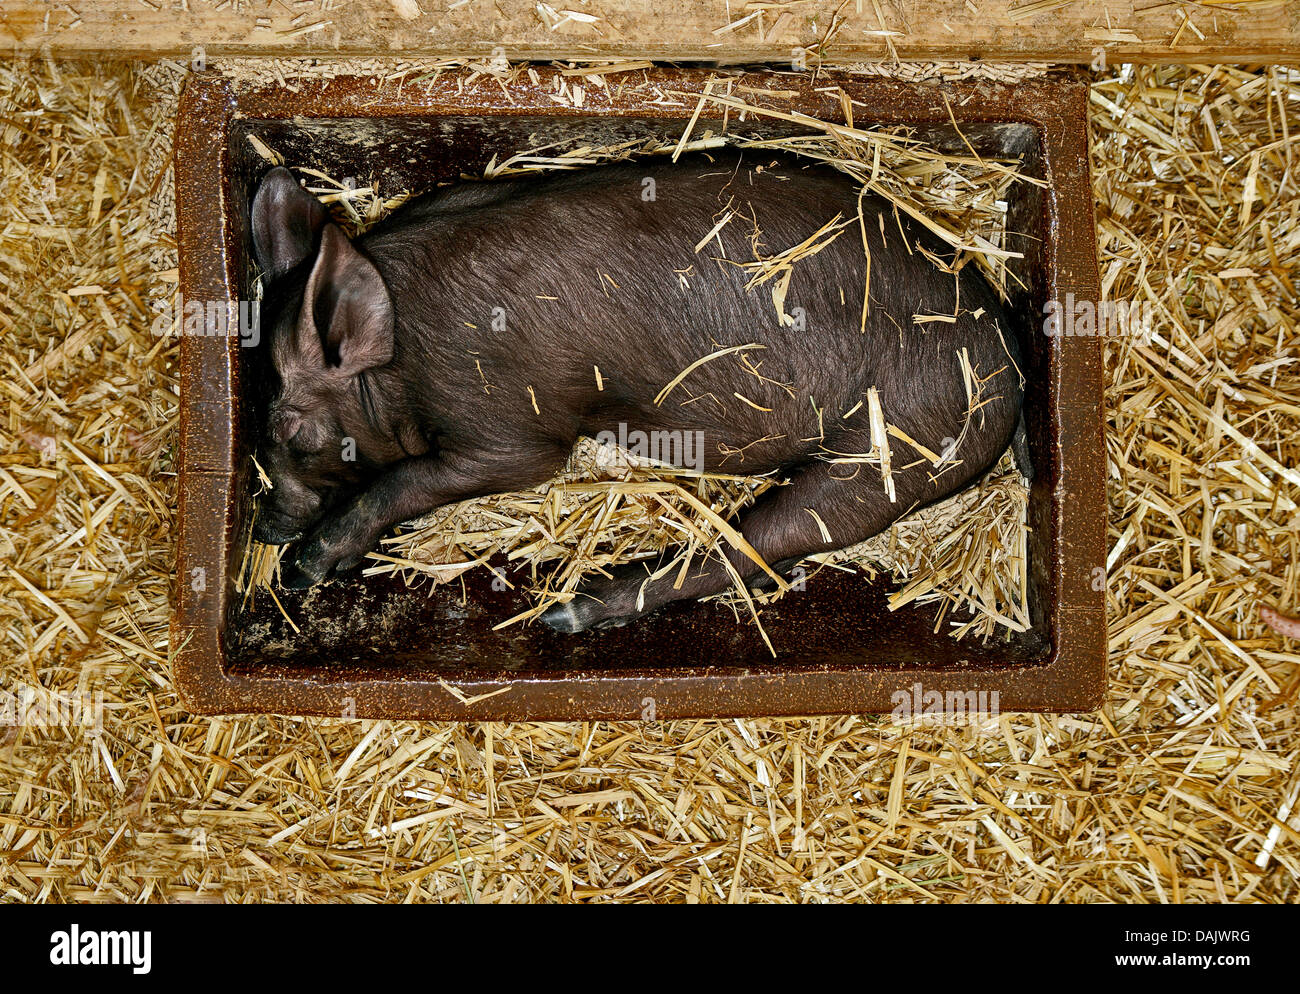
(294, 577)
(565, 618)
(577, 616)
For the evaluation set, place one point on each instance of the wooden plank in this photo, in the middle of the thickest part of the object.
(723, 31)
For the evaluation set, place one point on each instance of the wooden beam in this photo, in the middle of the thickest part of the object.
(722, 31)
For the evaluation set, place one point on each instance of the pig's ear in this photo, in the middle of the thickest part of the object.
(350, 306)
(286, 222)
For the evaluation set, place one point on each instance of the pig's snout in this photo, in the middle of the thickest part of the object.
(278, 526)
(288, 510)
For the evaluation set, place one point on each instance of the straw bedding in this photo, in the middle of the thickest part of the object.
(1182, 788)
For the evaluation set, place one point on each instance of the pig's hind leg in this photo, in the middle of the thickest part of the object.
(784, 526)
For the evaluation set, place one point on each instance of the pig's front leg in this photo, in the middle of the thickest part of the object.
(407, 490)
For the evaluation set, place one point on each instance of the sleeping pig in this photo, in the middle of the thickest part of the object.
(452, 352)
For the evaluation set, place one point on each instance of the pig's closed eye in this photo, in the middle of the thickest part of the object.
(299, 447)
(284, 424)
(308, 440)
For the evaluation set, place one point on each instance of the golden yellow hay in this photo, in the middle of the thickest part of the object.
(1183, 789)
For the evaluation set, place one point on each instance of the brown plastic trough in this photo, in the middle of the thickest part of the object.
(372, 648)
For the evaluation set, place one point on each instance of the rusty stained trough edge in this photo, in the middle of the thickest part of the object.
(1072, 679)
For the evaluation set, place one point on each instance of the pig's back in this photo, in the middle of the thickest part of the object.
(643, 268)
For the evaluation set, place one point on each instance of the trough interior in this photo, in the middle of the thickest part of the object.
(388, 630)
